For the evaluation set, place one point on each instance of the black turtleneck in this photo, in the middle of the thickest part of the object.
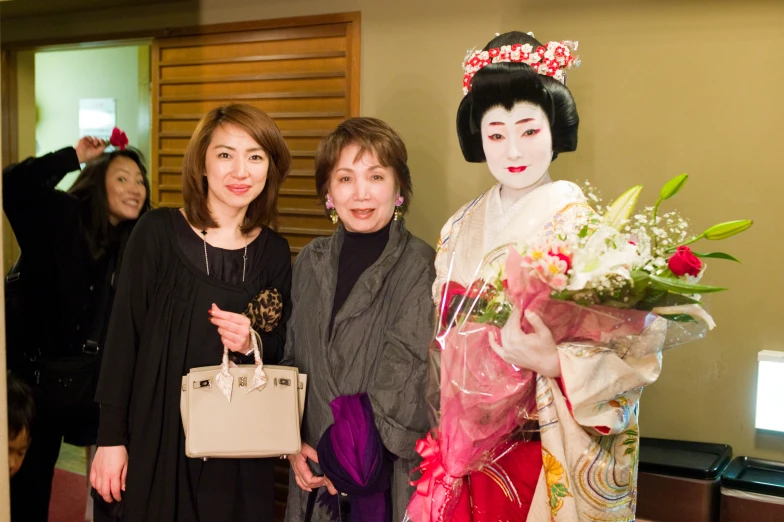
(358, 252)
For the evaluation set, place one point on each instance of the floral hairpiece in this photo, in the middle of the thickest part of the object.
(550, 60)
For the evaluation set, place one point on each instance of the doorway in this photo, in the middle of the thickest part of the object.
(303, 72)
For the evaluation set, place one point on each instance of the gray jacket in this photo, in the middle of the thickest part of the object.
(378, 346)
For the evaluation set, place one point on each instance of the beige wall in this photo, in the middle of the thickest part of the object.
(665, 87)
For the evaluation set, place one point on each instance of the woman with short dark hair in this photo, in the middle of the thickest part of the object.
(60, 293)
(190, 274)
(360, 329)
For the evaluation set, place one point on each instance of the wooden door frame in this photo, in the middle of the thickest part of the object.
(8, 95)
(8, 72)
(9, 116)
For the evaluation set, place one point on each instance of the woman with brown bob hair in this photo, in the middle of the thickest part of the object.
(360, 328)
(190, 274)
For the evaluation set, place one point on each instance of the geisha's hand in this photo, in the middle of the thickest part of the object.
(535, 351)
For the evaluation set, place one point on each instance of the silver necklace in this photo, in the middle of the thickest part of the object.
(207, 261)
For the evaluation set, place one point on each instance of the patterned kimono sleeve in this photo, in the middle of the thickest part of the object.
(602, 383)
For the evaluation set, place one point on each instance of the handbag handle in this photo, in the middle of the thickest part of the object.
(225, 380)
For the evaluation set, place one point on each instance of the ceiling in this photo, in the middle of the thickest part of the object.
(25, 8)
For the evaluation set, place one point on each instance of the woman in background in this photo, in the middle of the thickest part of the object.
(61, 294)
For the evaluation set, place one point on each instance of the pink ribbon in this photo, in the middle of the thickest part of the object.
(428, 504)
(431, 468)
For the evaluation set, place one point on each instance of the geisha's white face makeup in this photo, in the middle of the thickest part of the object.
(518, 144)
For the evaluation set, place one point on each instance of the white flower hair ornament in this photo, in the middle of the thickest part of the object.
(548, 60)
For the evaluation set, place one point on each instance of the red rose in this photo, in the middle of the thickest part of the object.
(683, 261)
(118, 139)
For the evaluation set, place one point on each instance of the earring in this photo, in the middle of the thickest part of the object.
(398, 203)
(333, 214)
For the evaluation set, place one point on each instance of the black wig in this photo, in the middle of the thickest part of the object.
(505, 84)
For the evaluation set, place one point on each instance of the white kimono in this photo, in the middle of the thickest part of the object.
(589, 435)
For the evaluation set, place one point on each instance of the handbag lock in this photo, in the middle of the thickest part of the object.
(202, 384)
(91, 347)
(283, 382)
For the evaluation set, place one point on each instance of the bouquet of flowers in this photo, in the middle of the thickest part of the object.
(605, 277)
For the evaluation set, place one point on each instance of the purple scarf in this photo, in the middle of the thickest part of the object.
(353, 457)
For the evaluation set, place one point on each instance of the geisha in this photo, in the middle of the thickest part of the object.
(576, 457)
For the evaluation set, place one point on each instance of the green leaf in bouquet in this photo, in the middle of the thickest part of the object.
(639, 279)
(658, 298)
(716, 255)
(672, 187)
(586, 297)
(617, 303)
(622, 208)
(486, 315)
(639, 287)
(680, 287)
(680, 318)
(503, 316)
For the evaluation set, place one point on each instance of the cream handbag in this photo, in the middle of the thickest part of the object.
(243, 411)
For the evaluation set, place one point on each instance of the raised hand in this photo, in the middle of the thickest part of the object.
(89, 148)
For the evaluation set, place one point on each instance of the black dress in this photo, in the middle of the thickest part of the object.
(159, 330)
(63, 296)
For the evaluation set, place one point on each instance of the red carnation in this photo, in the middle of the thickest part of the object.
(683, 261)
(118, 139)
